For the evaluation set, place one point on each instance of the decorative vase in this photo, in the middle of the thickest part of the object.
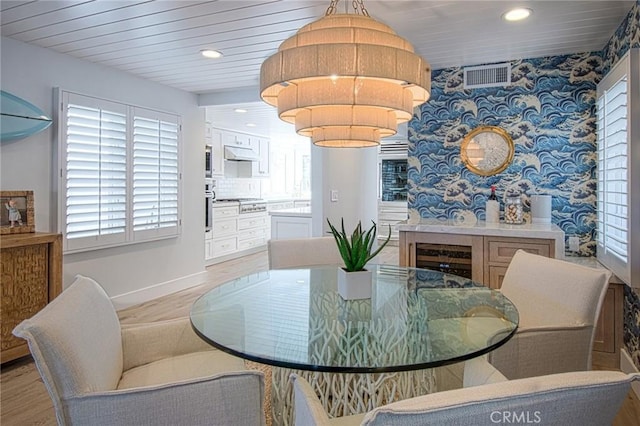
(354, 285)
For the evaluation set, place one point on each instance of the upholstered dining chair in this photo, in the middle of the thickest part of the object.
(301, 252)
(559, 303)
(98, 372)
(578, 398)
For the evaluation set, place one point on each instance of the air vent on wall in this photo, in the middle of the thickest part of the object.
(391, 146)
(494, 75)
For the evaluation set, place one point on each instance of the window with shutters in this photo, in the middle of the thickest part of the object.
(618, 202)
(120, 173)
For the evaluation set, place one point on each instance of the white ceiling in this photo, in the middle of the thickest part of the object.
(161, 40)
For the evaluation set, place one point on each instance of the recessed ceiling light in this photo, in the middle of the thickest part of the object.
(240, 110)
(209, 53)
(251, 124)
(517, 14)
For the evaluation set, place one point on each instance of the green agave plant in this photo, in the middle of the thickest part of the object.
(356, 249)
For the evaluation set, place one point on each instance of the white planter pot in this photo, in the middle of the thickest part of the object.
(354, 285)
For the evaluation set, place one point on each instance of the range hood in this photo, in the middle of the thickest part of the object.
(237, 153)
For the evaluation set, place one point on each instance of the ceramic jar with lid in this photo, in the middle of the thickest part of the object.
(513, 212)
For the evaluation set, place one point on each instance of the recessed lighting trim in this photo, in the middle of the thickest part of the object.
(211, 54)
(240, 110)
(517, 14)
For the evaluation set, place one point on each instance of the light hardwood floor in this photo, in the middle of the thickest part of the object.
(24, 399)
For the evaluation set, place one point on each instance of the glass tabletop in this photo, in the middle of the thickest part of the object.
(295, 318)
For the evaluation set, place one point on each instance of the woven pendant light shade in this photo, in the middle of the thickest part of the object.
(345, 81)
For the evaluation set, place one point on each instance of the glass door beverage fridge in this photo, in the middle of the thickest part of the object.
(393, 179)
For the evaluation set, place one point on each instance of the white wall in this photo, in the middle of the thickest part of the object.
(31, 73)
(353, 173)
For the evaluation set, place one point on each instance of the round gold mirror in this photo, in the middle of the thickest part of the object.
(487, 150)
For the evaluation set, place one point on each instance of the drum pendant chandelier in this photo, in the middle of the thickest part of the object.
(345, 80)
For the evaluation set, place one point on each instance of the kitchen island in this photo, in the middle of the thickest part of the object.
(291, 223)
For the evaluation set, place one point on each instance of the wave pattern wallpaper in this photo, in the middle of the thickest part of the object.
(549, 111)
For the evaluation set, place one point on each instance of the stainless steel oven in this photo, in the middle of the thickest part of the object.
(208, 161)
(209, 197)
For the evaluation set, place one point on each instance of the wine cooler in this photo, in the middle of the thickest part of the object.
(454, 254)
(453, 259)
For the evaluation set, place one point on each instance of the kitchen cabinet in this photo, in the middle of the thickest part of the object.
(390, 213)
(608, 338)
(31, 277)
(261, 167)
(498, 252)
(234, 234)
(291, 223)
(217, 151)
(236, 139)
(252, 230)
(258, 169)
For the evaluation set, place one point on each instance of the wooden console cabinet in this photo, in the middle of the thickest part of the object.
(31, 276)
(490, 258)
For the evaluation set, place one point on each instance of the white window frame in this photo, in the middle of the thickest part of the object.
(627, 266)
(129, 236)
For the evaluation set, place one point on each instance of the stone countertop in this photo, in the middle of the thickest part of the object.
(592, 262)
(294, 212)
(525, 230)
(225, 203)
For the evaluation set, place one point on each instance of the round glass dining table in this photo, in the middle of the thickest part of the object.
(296, 320)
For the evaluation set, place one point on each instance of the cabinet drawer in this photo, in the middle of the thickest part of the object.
(252, 222)
(395, 216)
(252, 233)
(248, 244)
(502, 250)
(225, 212)
(224, 245)
(224, 227)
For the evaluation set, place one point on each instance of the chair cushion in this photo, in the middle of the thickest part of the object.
(579, 398)
(75, 341)
(179, 368)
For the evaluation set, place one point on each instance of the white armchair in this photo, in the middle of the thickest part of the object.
(99, 373)
(303, 252)
(580, 398)
(559, 303)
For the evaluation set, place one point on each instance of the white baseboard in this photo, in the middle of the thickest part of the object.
(627, 366)
(136, 297)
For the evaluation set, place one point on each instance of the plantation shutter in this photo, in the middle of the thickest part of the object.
(96, 172)
(612, 171)
(155, 174)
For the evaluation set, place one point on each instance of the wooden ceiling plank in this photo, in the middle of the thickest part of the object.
(62, 17)
(97, 19)
(167, 25)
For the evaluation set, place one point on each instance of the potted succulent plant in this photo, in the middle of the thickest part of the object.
(354, 282)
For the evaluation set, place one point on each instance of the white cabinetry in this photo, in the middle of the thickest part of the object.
(389, 214)
(234, 234)
(225, 229)
(219, 138)
(262, 146)
(252, 230)
(217, 151)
